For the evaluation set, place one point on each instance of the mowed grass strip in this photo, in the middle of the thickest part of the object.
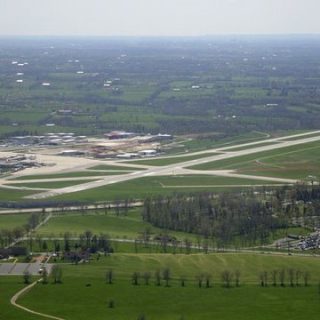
(251, 146)
(13, 194)
(308, 153)
(78, 300)
(151, 186)
(12, 221)
(114, 168)
(76, 174)
(171, 160)
(206, 180)
(49, 185)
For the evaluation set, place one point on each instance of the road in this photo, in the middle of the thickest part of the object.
(23, 291)
(169, 169)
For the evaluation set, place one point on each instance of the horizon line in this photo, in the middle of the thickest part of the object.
(293, 34)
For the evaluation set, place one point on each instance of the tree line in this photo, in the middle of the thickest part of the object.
(246, 217)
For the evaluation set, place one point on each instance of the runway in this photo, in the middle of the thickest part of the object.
(178, 167)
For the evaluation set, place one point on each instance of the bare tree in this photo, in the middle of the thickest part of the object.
(166, 276)
(208, 279)
(291, 274)
(282, 277)
(200, 279)
(109, 276)
(182, 281)
(306, 278)
(146, 277)
(226, 277)
(56, 273)
(135, 278)
(274, 274)
(44, 274)
(237, 278)
(157, 277)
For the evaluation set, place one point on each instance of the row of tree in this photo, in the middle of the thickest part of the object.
(277, 277)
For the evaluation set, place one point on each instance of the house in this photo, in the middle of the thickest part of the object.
(114, 135)
(147, 153)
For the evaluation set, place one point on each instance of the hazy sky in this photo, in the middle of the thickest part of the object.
(158, 17)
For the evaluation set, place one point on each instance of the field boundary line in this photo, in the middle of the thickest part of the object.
(23, 291)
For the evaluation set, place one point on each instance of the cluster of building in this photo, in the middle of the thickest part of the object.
(310, 242)
(48, 139)
(19, 162)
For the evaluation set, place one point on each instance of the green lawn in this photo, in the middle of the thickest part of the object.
(75, 174)
(172, 160)
(130, 226)
(291, 162)
(252, 146)
(9, 286)
(13, 194)
(49, 185)
(76, 300)
(144, 187)
(12, 221)
(115, 168)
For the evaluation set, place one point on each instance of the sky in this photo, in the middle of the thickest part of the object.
(158, 17)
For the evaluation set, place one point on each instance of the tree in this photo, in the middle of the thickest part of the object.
(298, 275)
(226, 277)
(306, 278)
(274, 274)
(291, 276)
(56, 273)
(282, 276)
(135, 278)
(183, 281)
(44, 246)
(207, 279)
(200, 279)
(146, 277)
(166, 276)
(237, 278)
(157, 277)
(44, 275)
(109, 276)
(26, 277)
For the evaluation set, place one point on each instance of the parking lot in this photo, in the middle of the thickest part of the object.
(17, 269)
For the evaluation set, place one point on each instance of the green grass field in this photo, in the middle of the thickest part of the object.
(9, 286)
(49, 185)
(115, 168)
(172, 160)
(144, 187)
(75, 174)
(13, 194)
(130, 226)
(12, 221)
(262, 144)
(291, 162)
(75, 300)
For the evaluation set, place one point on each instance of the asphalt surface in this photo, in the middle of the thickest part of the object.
(18, 269)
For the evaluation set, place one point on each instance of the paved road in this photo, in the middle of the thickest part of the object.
(14, 299)
(169, 169)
